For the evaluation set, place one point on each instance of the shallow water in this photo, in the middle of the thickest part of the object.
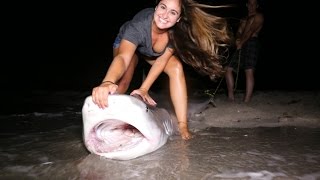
(47, 144)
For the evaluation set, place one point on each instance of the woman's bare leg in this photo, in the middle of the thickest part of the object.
(178, 93)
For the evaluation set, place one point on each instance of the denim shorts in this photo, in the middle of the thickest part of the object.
(116, 42)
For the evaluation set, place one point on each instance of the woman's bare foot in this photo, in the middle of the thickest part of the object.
(184, 132)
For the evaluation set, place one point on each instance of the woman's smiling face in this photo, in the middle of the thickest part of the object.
(167, 13)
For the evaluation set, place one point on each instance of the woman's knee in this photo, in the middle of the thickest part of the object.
(174, 66)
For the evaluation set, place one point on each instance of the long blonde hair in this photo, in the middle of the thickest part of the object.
(200, 39)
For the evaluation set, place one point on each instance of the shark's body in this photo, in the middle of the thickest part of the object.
(126, 129)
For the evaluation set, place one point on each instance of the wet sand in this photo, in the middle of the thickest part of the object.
(266, 109)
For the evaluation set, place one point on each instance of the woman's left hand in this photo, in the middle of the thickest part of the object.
(145, 96)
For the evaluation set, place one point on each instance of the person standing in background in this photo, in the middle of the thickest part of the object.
(248, 47)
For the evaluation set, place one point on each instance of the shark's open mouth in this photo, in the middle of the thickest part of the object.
(113, 135)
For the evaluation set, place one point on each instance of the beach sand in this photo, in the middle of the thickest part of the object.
(266, 109)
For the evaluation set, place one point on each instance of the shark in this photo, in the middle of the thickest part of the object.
(128, 128)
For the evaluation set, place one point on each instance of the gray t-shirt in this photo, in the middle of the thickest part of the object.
(138, 31)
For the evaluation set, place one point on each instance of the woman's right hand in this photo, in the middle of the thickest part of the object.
(100, 93)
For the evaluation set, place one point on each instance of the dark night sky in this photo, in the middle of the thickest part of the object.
(62, 47)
